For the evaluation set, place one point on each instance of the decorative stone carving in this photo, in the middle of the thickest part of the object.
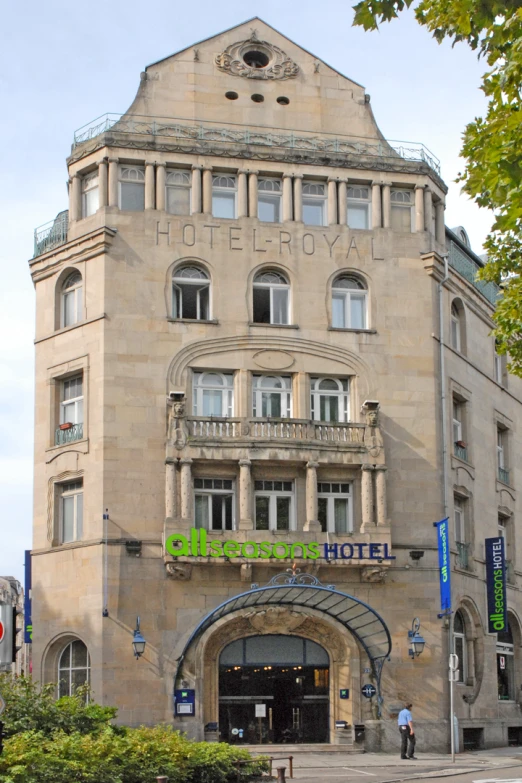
(239, 59)
(180, 571)
(177, 429)
(245, 572)
(372, 435)
(373, 574)
(276, 620)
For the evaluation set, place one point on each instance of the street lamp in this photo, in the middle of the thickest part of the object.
(138, 642)
(417, 642)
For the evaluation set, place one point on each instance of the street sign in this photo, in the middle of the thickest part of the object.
(368, 690)
(453, 676)
(453, 662)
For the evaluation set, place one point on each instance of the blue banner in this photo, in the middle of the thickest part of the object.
(444, 566)
(496, 584)
(28, 623)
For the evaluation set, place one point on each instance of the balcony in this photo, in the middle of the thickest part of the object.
(503, 475)
(296, 430)
(463, 552)
(68, 434)
(51, 235)
(460, 450)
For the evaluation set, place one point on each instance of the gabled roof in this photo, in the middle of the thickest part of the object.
(241, 24)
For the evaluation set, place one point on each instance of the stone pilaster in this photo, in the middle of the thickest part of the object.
(252, 193)
(246, 521)
(343, 202)
(440, 233)
(103, 183)
(186, 489)
(150, 200)
(242, 196)
(376, 205)
(287, 197)
(161, 179)
(113, 182)
(367, 498)
(419, 208)
(380, 494)
(312, 523)
(428, 209)
(298, 198)
(386, 206)
(332, 202)
(207, 190)
(170, 490)
(196, 190)
(75, 197)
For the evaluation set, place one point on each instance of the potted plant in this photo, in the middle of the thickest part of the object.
(66, 425)
(460, 444)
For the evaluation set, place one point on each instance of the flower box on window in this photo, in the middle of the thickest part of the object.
(66, 425)
(460, 444)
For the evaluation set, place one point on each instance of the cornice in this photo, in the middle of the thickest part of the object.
(80, 249)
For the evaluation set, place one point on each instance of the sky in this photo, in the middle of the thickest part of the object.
(63, 64)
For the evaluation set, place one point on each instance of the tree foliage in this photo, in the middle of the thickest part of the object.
(492, 144)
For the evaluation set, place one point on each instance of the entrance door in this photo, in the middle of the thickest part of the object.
(273, 689)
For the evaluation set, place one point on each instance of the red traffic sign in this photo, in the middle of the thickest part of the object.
(2, 631)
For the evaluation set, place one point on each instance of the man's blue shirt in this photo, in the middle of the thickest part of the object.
(404, 717)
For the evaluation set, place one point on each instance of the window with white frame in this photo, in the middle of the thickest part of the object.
(71, 404)
(72, 300)
(330, 399)
(359, 200)
(334, 504)
(71, 511)
(502, 453)
(214, 503)
(269, 200)
(401, 209)
(314, 203)
(191, 293)
(349, 303)
(213, 394)
(274, 502)
(460, 646)
(271, 295)
(460, 505)
(90, 194)
(132, 188)
(224, 196)
(455, 327)
(458, 428)
(506, 665)
(272, 396)
(177, 192)
(74, 668)
(500, 362)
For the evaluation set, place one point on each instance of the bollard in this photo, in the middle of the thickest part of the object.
(281, 774)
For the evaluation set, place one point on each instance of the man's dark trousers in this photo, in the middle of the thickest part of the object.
(407, 738)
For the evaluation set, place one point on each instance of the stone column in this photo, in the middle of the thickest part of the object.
(246, 521)
(196, 190)
(343, 202)
(75, 198)
(252, 193)
(380, 493)
(386, 206)
(440, 233)
(242, 198)
(161, 181)
(332, 202)
(376, 205)
(419, 208)
(186, 488)
(103, 183)
(298, 198)
(207, 190)
(312, 522)
(287, 197)
(170, 489)
(428, 209)
(150, 201)
(367, 497)
(113, 182)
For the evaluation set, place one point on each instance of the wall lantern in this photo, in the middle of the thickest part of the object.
(138, 642)
(417, 642)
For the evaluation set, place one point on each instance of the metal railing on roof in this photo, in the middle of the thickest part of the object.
(236, 134)
(468, 268)
(51, 235)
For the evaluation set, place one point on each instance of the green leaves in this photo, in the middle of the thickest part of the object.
(492, 145)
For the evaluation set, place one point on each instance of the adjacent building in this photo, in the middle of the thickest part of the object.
(264, 370)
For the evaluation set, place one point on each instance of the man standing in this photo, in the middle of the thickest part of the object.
(407, 733)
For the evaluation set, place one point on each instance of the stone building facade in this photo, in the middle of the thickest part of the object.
(241, 369)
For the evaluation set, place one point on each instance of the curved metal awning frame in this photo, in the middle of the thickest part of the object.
(305, 591)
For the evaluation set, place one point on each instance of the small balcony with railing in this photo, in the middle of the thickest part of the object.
(503, 475)
(462, 559)
(460, 450)
(51, 235)
(68, 433)
(272, 429)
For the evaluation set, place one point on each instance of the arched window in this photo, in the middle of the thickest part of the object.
(72, 300)
(272, 396)
(90, 194)
(271, 293)
(191, 293)
(456, 341)
(506, 665)
(330, 399)
(74, 668)
(349, 303)
(132, 188)
(213, 394)
(460, 645)
(269, 200)
(177, 192)
(314, 203)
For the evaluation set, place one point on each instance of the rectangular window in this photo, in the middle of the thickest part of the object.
(71, 406)
(132, 188)
(213, 394)
(460, 505)
(214, 503)
(314, 203)
(177, 192)
(505, 672)
(402, 210)
(90, 194)
(358, 207)
(224, 193)
(501, 448)
(330, 399)
(335, 507)
(349, 303)
(272, 396)
(269, 200)
(274, 501)
(71, 512)
(460, 448)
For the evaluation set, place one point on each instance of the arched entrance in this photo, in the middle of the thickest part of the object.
(274, 688)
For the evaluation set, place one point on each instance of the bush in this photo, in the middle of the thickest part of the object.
(120, 756)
